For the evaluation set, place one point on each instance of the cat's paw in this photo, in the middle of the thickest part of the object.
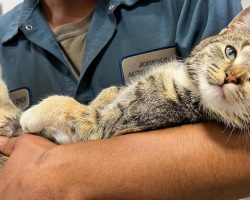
(54, 111)
(31, 121)
(68, 117)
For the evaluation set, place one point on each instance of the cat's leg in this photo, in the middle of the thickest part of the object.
(61, 118)
(105, 97)
(112, 122)
(64, 120)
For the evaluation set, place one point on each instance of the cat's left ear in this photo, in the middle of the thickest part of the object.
(241, 22)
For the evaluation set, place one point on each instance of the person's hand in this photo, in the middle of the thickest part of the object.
(21, 174)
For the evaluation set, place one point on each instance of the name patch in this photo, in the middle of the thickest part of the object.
(20, 97)
(138, 65)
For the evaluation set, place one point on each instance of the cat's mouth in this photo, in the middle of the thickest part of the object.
(217, 95)
(224, 92)
(218, 90)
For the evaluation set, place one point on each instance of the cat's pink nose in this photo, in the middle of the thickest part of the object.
(231, 78)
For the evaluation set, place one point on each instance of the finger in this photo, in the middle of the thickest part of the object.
(7, 145)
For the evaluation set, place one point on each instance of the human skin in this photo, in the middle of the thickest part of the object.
(189, 162)
(59, 12)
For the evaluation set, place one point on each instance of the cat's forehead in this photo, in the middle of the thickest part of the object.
(236, 39)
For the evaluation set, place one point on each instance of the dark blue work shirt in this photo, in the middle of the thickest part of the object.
(120, 31)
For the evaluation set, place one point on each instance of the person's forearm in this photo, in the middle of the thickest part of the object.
(189, 162)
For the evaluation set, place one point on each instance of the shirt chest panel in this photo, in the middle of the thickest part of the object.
(37, 70)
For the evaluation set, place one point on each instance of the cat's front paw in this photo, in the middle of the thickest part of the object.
(42, 115)
(64, 115)
(54, 111)
(31, 120)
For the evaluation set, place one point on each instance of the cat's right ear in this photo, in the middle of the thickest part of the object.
(241, 22)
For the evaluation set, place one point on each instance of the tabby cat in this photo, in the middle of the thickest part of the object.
(213, 83)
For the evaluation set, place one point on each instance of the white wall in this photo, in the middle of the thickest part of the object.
(9, 4)
(245, 3)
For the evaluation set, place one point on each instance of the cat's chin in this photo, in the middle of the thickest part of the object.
(218, 96)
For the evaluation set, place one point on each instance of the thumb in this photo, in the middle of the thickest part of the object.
(7, 145)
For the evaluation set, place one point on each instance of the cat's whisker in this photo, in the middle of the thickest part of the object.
(230, 135)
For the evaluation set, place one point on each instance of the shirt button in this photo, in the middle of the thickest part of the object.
(29, 27)
(111, 7)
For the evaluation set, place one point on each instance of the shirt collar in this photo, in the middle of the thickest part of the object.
(25, 10)
(22, 13)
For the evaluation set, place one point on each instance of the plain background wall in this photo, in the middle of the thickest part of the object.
(8, 4)
(245, 3)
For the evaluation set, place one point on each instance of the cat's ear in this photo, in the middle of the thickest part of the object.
(241, 22)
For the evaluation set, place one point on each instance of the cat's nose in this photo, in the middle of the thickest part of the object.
(231, 78)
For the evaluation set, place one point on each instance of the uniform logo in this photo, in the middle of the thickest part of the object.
(21, 98)
(137, 65)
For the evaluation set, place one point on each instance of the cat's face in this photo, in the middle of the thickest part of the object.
(224, 75)
(225, 71)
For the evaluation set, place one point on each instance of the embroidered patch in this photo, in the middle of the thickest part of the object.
(139, 64)
(21, 97)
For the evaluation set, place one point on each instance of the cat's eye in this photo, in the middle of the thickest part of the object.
(231, 52)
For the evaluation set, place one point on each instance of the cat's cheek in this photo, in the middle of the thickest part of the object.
(246, 90)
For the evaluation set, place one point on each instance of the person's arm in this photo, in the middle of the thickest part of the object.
(188, 162)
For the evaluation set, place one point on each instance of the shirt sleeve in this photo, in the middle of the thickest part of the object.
(200, 19)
